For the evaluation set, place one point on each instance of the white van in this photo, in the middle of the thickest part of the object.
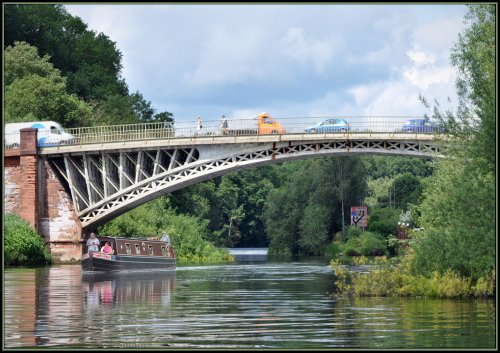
(50, 133)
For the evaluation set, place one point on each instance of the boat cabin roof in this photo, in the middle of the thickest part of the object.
(138, 246)
(148, 240)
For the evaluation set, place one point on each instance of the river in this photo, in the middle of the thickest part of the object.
(249, 304)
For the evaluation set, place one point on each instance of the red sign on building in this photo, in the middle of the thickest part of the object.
(359, 216)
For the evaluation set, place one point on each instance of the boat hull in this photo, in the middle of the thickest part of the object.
(103, 262)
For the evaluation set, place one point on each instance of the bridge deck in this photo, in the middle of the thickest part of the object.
(223, 140)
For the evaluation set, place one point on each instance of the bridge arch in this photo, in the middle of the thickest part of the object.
(104, 184)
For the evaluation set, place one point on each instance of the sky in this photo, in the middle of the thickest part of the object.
(290, 60)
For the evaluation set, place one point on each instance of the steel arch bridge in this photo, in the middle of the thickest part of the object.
(107, 179)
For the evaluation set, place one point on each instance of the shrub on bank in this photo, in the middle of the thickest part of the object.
(367, 244)
(396, 279)
(22, 244)
(333, 249)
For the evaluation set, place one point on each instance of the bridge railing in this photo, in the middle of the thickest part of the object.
(235, 127)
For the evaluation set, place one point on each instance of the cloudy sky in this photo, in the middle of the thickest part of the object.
(287, 59)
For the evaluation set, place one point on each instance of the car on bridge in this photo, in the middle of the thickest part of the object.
(49, 133)
(329, 125)
(421, 125)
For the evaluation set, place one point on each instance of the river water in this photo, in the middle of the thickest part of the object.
(249, 304)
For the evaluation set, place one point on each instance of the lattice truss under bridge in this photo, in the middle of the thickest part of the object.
(108, 183)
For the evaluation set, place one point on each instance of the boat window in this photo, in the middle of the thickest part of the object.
(163, 250)
(127, 246)
(151, 250)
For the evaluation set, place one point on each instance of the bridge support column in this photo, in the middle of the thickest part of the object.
(58, 223)
(36, 194)
(28, 183)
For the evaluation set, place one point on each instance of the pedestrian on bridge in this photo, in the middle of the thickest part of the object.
(198, 125)
(223, 125)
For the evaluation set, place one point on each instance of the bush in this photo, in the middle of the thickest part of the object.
(389, 278)
(372, 244)
(332, 250)
(353, 232)
(22, 244)
(384, 221)
(368, 244)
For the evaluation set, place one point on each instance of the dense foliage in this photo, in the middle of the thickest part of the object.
(22, 244)
(303, 215)
(458, 210)
(233, 205)
(90, 61)
(36, 91)
(390, 278)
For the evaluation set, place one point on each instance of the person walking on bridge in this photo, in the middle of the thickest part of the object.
(198, 125)
(223, 125)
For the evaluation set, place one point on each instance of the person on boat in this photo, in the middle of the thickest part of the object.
(92, 243)
(107, 249)
(165, 237)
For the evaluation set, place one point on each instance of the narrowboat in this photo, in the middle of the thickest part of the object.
(130, 254)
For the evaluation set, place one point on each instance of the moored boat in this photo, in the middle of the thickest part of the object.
(131, 254)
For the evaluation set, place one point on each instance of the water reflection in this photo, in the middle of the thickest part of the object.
(47, 306)
(108, 289)
(262, 304)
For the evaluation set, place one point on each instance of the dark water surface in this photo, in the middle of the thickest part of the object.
(247, 305)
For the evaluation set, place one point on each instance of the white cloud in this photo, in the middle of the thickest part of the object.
(438, 36)
(228, 56)
(309, 50)
(425, 73)
(400, 96)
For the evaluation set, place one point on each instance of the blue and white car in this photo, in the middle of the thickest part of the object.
(421, 125)
(329, 125)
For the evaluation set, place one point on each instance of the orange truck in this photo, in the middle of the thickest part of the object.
(265, 126)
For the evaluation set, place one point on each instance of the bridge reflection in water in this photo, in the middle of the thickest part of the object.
(248, 254)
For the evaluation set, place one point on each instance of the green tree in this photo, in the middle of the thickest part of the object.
(90, 61)
(475, 58)
(458, 209)
(95, 67)
(391, 166)
(37, 91)
(163, 117)
(407, 189)
(22, 60)
(383, 220)
(303, 215)
(142, 107)
(233, 204)
(114, 109)
(458, 217)
(34, 98)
